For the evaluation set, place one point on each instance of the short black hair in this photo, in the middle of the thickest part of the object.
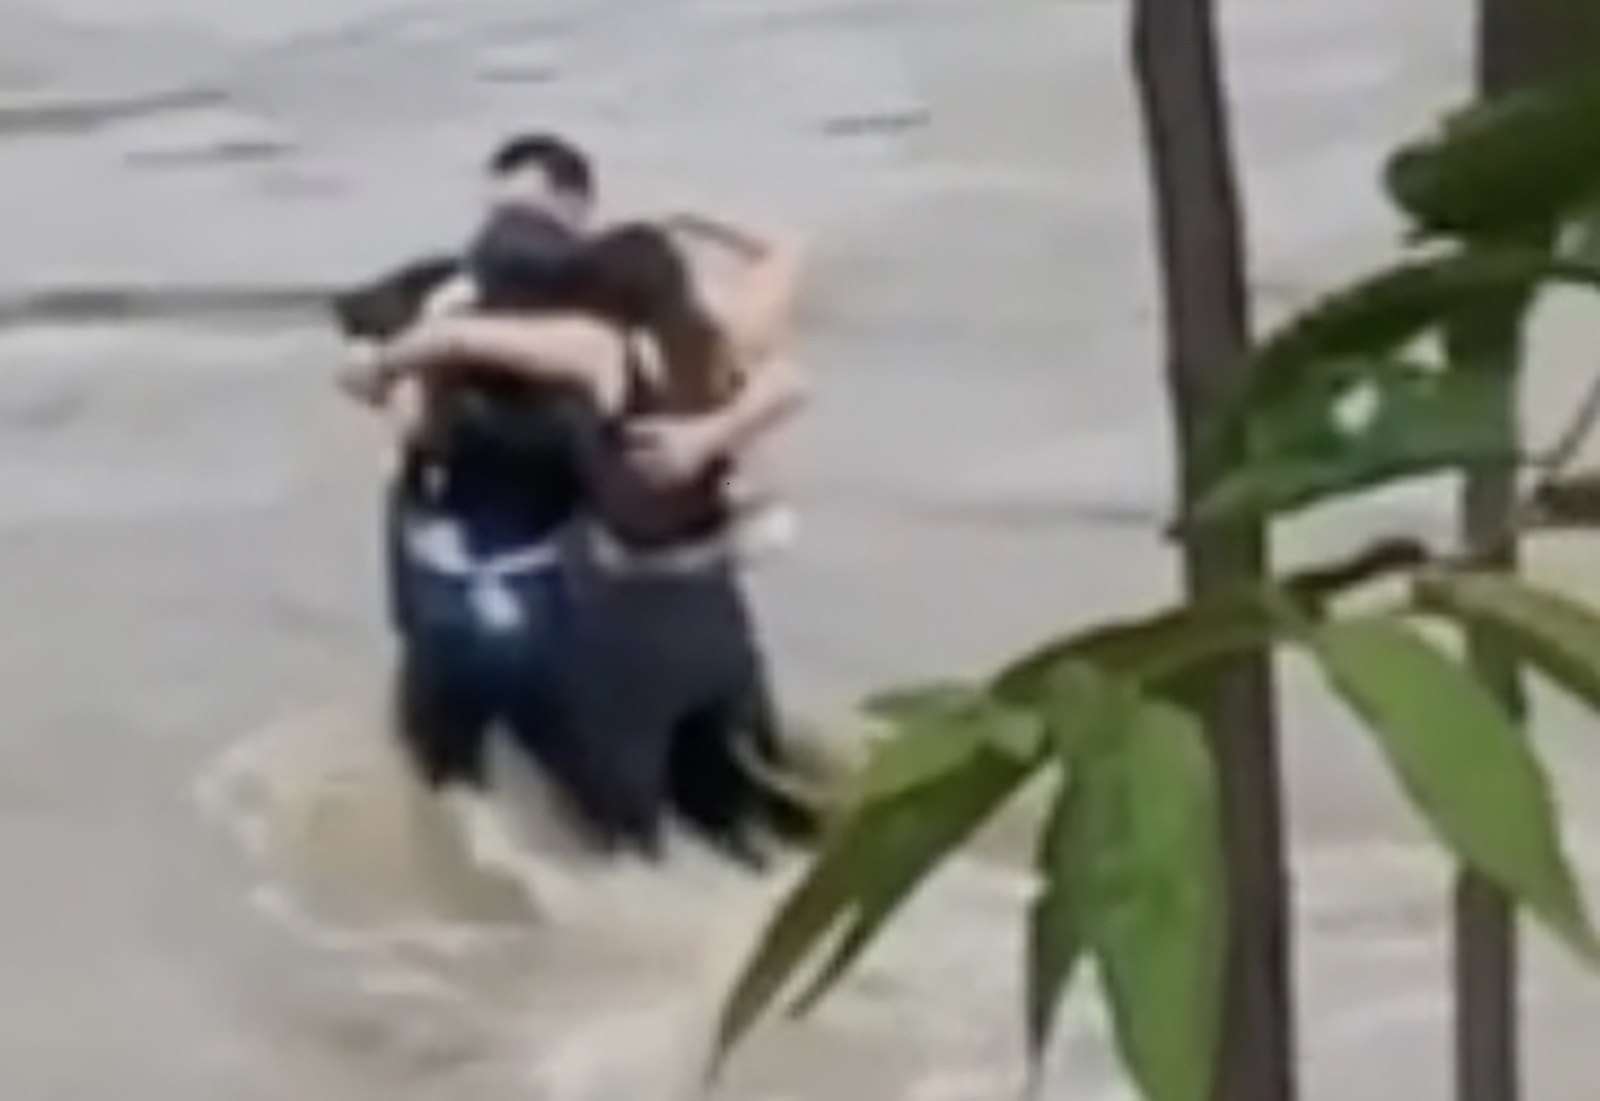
(567, 166)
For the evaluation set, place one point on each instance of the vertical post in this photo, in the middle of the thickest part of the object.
(1485, 944)
(1519, 42)
(1205, 298)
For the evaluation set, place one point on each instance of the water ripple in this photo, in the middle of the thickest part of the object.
(106, 303)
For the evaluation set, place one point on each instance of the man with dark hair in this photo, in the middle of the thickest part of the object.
(541, 204)
(541, 192)
(547, 171)
(475, 447)
(487, 477)
(541, 199)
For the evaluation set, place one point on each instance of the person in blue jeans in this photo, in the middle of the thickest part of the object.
(542, 195)
(627, 667)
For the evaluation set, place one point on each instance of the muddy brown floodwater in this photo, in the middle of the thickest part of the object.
(215, 884)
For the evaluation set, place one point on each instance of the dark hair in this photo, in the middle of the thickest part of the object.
(567, 166)
(640, 279)
(525, 260)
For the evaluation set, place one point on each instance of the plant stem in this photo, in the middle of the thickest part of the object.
(1485, 945)
(1519, 42)
(1204, 291)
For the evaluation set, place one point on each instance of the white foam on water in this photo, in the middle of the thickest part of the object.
(605, 989)
(355, 861)
(608, 989)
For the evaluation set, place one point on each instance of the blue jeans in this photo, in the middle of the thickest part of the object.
(462, 672)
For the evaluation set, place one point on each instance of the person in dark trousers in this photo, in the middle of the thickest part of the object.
(630, 673)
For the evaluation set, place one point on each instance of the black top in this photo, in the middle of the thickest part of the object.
(525, 261)
(504, 463)
(636, 511)
(502, 451)
(514, 458)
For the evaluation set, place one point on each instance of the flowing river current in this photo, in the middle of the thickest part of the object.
(217, 885)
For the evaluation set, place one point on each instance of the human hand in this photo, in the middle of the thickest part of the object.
(363, 379)
(673, 450)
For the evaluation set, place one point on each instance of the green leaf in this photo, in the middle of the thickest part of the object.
(939, 731)
(933, 735)
(1358, 335)
(1379, 315)
(1158, 648)
(1086, 712)
(813, 911)
(1462, 760)
(1149, 649)
(909, 703)
(870, 865)
(901, 842)
(1375, 319)
(913, 757)
(1148, 828)
(1309, 447)
(1559, 636)
(1526, 160)
(1131, 863)
(1056, 934)
(957, 758)
(1291, 440)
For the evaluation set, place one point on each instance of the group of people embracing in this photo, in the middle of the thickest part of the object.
(572, 506)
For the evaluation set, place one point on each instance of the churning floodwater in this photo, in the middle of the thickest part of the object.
(217, 884)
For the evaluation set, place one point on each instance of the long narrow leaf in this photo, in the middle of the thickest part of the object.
(1155, 916)
(1158, 646)
(1087, 711)
(939, 730)
(916, 754)
(1056, 934)
(807, 918)
(1528, 159)
(1290, 440)
(1171, 642)
(1417, 420)
(1378, 315)
(1558, 635)
(900, 843)
(1362, 332)
(1463, 761)
(920, 701)
(869, 866)
(1375, 317)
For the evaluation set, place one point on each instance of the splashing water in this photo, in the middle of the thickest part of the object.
(485, 934)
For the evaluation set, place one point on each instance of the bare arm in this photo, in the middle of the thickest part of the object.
(757, 319)
(772, 393)
(553, 348)
(676, 449)
(758, 316)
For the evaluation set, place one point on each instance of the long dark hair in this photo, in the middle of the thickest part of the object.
(643, 282)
